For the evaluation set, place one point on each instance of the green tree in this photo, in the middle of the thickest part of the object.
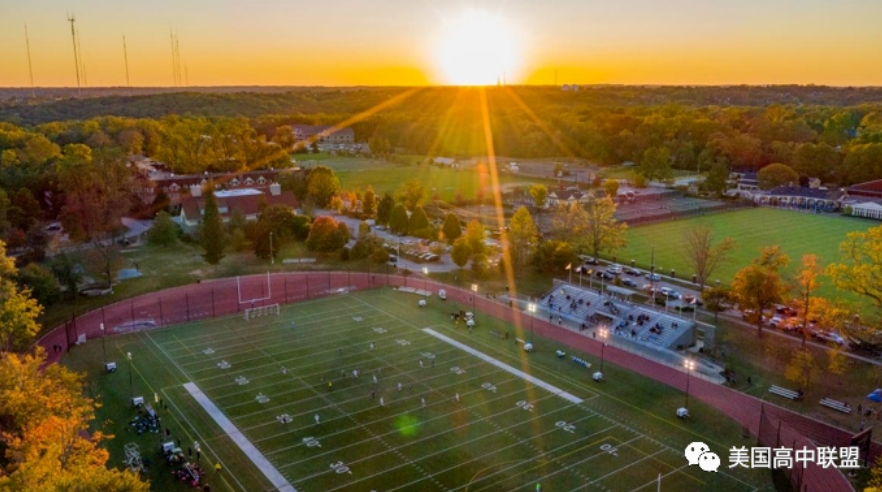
(41, 283)
(461, 252)
(418, 222)
(369, 203)
(211, 232)
(412, 194)
(523, 236)
(539, 193)
(363, 228)
(398, 219)
(66, 268)
(384, 208)
(758, 286)
(103, 261)
(717, 180)
(480, 265)
(278, 220)
(452, 228)
(164, 231)
(475, 236)
(775, 175)
(716, 300)
(322, 185)
(554, 256)
(344, 231)
(656, 164)
(325, 236)
(802, 369)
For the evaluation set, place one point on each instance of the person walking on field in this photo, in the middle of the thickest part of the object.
(382, 402)
(317, 419)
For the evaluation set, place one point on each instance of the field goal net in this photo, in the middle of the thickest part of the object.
(256, 312)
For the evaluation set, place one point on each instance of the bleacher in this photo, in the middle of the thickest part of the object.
(624, 319)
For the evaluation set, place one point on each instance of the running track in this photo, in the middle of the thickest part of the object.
(221, 297)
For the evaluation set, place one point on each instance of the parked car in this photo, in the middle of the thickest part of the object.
(604, 275)
(629, 282)
(776, 322)
(393, 259)
(669, 293)
(653, 276)
(589, 260)
(614, 269)
(633, 271)
(692, 299)
(829, 336)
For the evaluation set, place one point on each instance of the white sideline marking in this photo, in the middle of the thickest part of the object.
(256, 457)
(505, 367)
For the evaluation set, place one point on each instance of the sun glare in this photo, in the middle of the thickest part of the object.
(477, 48)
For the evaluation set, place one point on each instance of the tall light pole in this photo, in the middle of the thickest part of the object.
(131, 384)
(425, 278)
(272, 256)
(474, 294)
(604, 333)
(531, 307)
(689, 364)
(103, 345)
(652, 274)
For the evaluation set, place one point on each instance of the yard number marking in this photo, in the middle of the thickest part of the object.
(428, 355)
(261, 398)
(379, 329)
(311, 442)
(242, 380)
(340, 468)
(489, 387)
(357, 318)
(402, 342)
(566, 427)
(609, 448)
(224, 364)
(457, 370)
(208, 351)
(526, 406)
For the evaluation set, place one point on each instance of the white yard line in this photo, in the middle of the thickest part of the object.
(505, 367)
(279, 482)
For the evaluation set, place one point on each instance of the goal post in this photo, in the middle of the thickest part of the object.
(256, 312)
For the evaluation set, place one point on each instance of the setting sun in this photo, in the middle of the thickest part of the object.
(477, 48)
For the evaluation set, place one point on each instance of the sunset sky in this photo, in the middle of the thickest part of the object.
(405, 42)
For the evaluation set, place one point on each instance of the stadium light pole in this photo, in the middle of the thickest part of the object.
(425, 278)
(272, 256)
(604, 333)
(689, 364)
(103, 345)
(474, 294)
(531, 307)
(131, 384)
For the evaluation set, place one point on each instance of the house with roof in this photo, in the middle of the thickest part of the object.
(247, 201)
(864, 199)
(323, 134)
(566, 196)
(800, 198)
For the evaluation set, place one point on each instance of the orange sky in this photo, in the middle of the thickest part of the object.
(395, 42)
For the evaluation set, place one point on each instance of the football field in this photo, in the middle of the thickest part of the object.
(368, 392)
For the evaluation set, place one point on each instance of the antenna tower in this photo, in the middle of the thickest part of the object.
(30, 66)
(126, 56)
(73, 35)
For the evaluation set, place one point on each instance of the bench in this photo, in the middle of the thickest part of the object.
(784, 392)
(836, 405)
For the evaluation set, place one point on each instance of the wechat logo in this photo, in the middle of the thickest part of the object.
(698, 453)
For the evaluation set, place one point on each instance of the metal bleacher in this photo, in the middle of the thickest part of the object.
(586, 306)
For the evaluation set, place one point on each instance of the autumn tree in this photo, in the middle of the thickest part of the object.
(703, 254)
(461, 252)
(775, 175)
(605, 234)
(412, 194)
(716, 300)
(656, 164)
(611, 186)
(807, 283)
(322, 185)
(861, 269)
(325, 235)
(539, 193)
(758, 286)
(211, 232)
(452, 228)
(384, 208)
(802, 369)
(474, 235)
(553, 256)
(523, 236)
(18, 311)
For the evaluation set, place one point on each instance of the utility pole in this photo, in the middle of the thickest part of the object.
(171, 36)
(126, 56)
(73, 36)
(30, 66)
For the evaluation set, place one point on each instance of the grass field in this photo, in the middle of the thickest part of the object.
(508, 431)
(796, 233)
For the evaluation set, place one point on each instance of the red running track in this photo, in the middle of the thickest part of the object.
(221, 298)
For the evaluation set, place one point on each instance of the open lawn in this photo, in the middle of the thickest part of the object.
(520, 420)
(797, 234)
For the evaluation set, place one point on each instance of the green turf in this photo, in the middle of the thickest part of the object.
(624, 434)
(797, 234)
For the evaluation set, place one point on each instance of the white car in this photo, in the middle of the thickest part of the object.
(776, 321)
(830, 336)
(614, 269)
(669, 293)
